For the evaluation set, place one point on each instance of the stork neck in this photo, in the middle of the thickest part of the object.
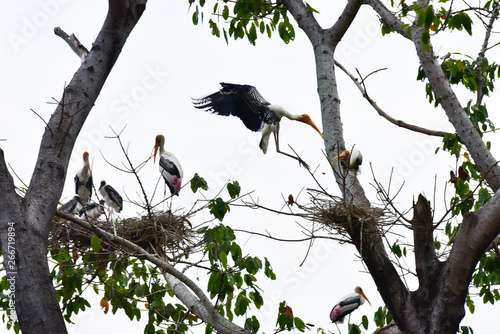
(281, 111)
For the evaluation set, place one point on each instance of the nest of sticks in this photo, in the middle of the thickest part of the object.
(337, 216)
(160, 233)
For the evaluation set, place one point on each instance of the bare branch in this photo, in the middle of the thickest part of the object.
(362, 88)
(73, 42)
(480, 57)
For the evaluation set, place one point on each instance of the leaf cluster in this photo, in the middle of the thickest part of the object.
(232, 278)
(246, 18)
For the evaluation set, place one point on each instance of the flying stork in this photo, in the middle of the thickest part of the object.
(245, 102)
(73, 206)
(111, 196)
(83, 180)
(348, 304)
(169, 167)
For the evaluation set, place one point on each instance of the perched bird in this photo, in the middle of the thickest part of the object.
(245, 102)
(73, 206)
(83, 180)
(111, 196)
(93, 210)
(169, 167)
(348, 304)
(350, 160)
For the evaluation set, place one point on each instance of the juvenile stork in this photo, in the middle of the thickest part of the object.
(111, 197)
(83, 180)
(245, 102)
(72, 206)
(93, 210)
(169, 167)
(348, 304)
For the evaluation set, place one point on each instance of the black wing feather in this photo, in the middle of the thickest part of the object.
(243, 101)
(80, 183)
(114, 196)
(169, 166)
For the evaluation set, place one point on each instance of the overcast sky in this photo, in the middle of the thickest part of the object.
(165, 63)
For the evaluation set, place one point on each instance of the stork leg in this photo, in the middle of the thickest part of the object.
(111, 220)
(354, 185)
(276, 139)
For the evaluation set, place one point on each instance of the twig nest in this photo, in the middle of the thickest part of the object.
(161, 233)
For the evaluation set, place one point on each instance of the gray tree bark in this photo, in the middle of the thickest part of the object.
(437, 306)
(30, 217)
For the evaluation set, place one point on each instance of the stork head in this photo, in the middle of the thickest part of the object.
(359, 291)
(159, 142)
(306, 119)
(342, 156)
(86, 159)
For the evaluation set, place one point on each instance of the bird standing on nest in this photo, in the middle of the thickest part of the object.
(93, 210)
(112, 199)
(111, 196)
(350, 161)
(169, 167)
(83, 180)
(72, 206)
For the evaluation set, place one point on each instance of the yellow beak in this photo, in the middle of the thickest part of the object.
(156, 150)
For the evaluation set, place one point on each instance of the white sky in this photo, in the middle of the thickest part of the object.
(165, 62)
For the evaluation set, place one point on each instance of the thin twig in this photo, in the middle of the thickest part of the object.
(362, 88)
(43, 121)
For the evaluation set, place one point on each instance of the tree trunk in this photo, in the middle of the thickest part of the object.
(437, 306)
(29, 219)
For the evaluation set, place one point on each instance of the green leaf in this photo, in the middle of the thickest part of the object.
(218, 208)
(223, 259)
(233, 189)
(299, 324)
(198, 182)
(268, 270)
(312, 10)
(364, 321)
(252, 324)
(208, 329)
(195, 16)
(396, 250)
(426, 40)
(354, 329)
(95, 243)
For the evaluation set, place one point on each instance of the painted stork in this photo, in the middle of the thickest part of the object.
(83, 180)
(245, 102)
(169, 167)
(111, 197)
(348, 304)
(72, 206)
(93, 210)
(350, 160)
